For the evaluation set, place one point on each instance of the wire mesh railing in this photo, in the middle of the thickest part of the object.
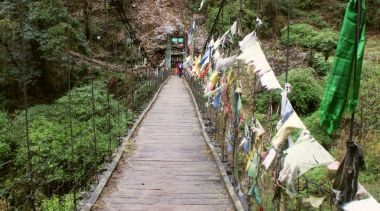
(64, 157)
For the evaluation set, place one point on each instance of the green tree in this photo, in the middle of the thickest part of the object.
(33, 42)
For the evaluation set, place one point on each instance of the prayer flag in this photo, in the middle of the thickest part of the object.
(344, 82)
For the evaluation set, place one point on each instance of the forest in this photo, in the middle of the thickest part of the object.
(73, 78)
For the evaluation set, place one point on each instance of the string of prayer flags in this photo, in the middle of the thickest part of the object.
(254, 55)
(248, 41)
(227, 36)
(301, 156)
(225, 63)
(306, 154)
(287, 128)
(212, 92)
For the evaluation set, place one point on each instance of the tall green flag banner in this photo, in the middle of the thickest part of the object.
(343, 85)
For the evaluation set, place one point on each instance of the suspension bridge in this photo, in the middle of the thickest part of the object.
(172, 167)
(182, 151)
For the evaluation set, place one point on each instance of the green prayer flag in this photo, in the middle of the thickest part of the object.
(252, 170)
(344, 82)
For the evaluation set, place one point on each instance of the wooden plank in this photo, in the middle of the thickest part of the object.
(163, 207)
(87, 204)
(171, 168)
(235, 199)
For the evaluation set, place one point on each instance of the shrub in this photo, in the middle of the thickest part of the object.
(230, 14)
(320, 65)
(325, 42)
(317, 20)
(300, 34)
(263, 101)
(5, 138)
(307, 91)
(312, 124)
(305, 97)
(307, 36)
(369, 106)
(58, 160)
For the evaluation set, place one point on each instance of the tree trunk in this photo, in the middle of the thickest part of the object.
(86, 13)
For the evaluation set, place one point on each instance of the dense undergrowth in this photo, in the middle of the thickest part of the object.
(59, 159)
(64, 154)
(62, 161)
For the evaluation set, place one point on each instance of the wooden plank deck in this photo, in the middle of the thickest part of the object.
(172, 167)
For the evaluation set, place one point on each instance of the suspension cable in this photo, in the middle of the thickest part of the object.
(132, 33)
(214, 24)
(357, 37)
(255, 76)
(287, 43)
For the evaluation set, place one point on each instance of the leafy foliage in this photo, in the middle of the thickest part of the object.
(6, 138)
(369, 99)
(300, 34)
(229, 14)
(305, 97)
(320, 65)
(307, 36)
(267, 99)
(325, 42)
(312, 124)
(58, 203)
(58, 159)
(307, 91)
(34, 38)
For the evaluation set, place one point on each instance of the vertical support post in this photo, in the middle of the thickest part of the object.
(125, 80)
(109, 108)
(24, 82)
(93, 97)
(118, 107)
(68, 66)
(93, 113)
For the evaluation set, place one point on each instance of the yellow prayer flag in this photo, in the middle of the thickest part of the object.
(231, 77)
(214, 77)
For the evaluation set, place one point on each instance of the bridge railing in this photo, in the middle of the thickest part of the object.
(220, 130)
(58, 149)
